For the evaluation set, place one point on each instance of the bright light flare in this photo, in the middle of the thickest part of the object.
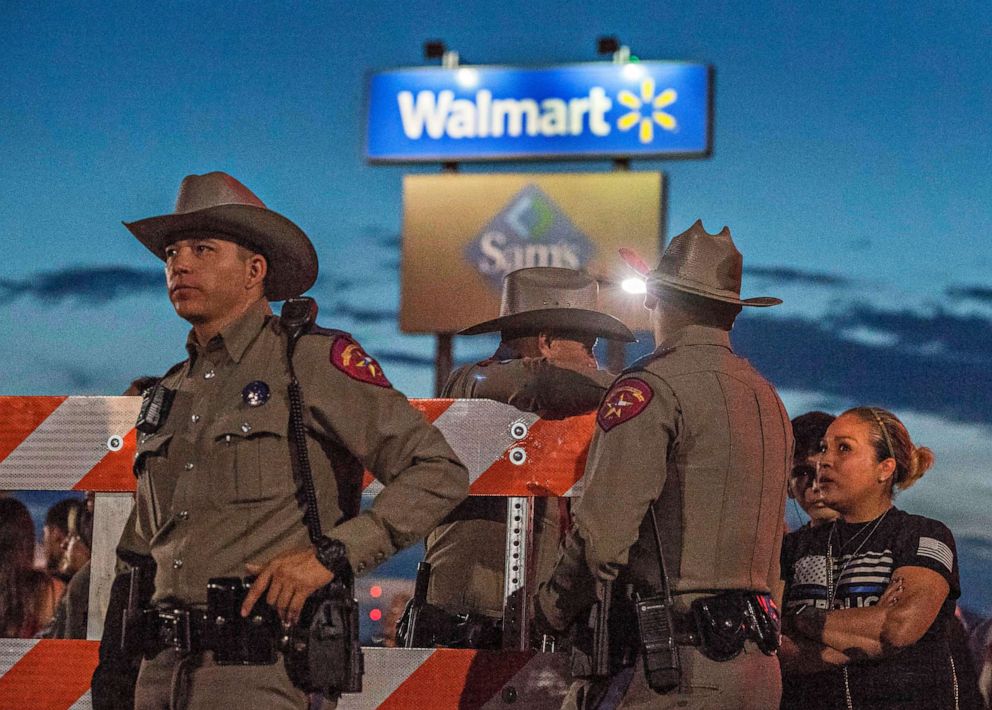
(634, 285)
(467, 78)
(632, 72)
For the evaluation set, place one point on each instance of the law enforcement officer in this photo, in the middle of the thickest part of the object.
(548, 324)
(216, 495)
(693, 434)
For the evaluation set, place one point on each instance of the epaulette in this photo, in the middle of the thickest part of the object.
(174, 369)
(643, 362)
(329, 332)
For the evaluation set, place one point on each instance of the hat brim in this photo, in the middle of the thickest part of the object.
(291, 258)
(656, 282)
(655, 279)
(577, 320)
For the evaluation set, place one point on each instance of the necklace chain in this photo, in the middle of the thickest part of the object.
(832, 588)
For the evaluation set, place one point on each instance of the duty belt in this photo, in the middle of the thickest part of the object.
(190, 631)
(181, 629)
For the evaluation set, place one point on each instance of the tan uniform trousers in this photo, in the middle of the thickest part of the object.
(197, 683)
(749, 682)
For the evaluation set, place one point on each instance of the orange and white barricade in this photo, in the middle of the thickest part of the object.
(88, 443)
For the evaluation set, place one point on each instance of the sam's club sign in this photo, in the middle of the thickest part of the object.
(640, 109)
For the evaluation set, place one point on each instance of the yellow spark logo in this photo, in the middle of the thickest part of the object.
(647, 98)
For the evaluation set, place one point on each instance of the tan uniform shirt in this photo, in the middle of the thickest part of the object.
(467, 552)
(697, 432)
(215, 483)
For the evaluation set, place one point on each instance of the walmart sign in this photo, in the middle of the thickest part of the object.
(640, 109)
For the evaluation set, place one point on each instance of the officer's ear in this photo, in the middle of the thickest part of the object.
(544, 341)
(257, 267)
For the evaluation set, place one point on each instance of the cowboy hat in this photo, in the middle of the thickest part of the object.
(701, 264)
(551, 298)
(216, 202)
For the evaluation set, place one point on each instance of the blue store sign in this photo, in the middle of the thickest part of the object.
(641, 109)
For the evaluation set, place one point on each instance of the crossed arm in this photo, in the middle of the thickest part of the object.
(817, 639)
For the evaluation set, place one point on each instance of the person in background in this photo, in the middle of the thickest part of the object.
(27, 595)
(869, 597)
(54, 535)
(980, 644)
(71, 615)
(807, 430)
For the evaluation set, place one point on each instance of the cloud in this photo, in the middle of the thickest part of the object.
(788, 275)
(91, 284)
(366, 316)
(957, 337)
(982, 294)
(402, 358)
(389, 241)
(934, 363)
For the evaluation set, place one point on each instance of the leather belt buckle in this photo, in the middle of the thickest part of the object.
(174, 629)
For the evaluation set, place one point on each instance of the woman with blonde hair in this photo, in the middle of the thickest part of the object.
(869, 596)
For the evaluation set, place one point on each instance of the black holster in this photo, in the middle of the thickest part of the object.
(607, 642)
(136, 586)
(115, 676)
(322, 651)
(725, 621)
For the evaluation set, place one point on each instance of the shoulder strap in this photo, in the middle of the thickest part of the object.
(298, 316)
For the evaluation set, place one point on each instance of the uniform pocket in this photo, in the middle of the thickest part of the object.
(252, 464)
(154, 490)
(151, 453)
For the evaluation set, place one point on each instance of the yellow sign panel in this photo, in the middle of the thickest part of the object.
(463, 233)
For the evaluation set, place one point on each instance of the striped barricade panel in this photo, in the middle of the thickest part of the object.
(67, 443)
(88, 443)
(46, 675)
(400, 678)
(55, 675)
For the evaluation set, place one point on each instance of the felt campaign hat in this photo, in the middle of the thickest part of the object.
(552, 298)
(216, 202)
(701, 264)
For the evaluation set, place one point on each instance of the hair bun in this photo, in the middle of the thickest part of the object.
(920, 460)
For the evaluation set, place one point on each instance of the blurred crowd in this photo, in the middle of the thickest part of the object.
(44, 584)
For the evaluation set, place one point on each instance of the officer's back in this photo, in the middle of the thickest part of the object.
(720, 508)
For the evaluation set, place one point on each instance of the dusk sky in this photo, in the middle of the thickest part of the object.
(851, 152)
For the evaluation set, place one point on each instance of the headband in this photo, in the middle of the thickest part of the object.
(885, 432)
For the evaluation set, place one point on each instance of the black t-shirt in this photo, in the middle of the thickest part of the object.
(865, 555)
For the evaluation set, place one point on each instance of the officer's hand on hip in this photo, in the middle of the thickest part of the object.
(290, 578)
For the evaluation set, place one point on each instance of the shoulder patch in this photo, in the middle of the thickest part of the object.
(626, 399)
(349, 357)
